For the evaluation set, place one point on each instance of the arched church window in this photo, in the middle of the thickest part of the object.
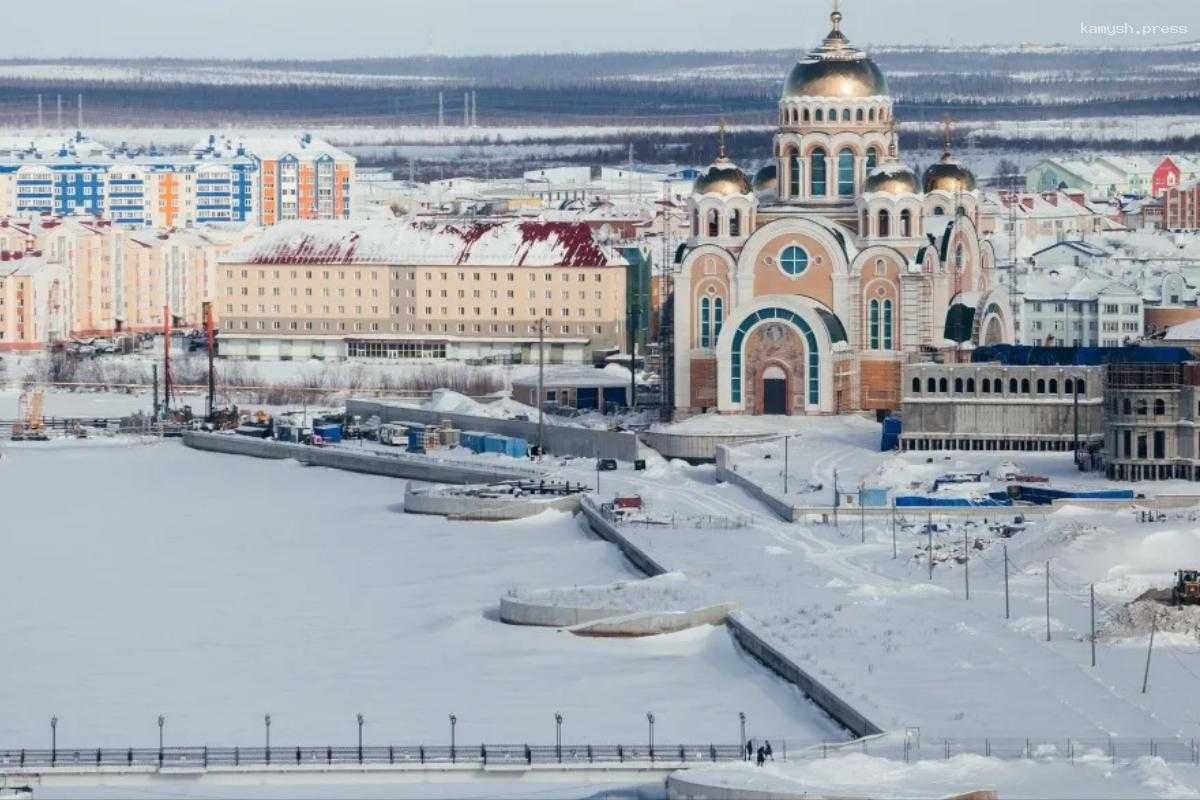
(845, 115)
(906, 223)
(1041, 385)
(1053, 386)
(880, 267)
(943, 386)
(938, 211)
(793, 260)
(884, 223)
(916, 384)
(958, 257)
(832, 117)
(960, 211)
(872, 153)
(718, 318)
(804, 115)
(985, 386)
(816, 181)
(970, 386)
(1024, 385)
(714, 223)
(735, 222)
(1012, 385)
(846, 172)
(958, 385)
(819, 115)
(794, 173)
(871, 115)
(705, 322)
(887, 324)
(1080, 386)
(873, 324)
(858, 115)
(1069, 386)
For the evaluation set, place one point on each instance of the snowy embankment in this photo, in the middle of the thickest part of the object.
(857, 775)
(910, 650)
(626, 608)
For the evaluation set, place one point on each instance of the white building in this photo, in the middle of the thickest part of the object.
(1076, 308)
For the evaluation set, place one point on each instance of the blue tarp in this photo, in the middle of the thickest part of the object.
(918, 501)
(892, 427)
(1044, 496)
(1079, 356)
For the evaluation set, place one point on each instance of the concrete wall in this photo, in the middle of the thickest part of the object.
(693, 447)
(560, 440)
(838, 709)
(653, 623)
(686, 785)
(393, 466)
(518, 612)
(726, 472)
(420, 501)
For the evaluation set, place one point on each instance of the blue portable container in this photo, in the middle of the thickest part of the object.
(516, 447)
(494, 443)
(330, 433)
(416, 438)
(892, 427)
(472, 440)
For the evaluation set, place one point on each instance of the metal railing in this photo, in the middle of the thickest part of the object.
(918, 748)
(204, 757)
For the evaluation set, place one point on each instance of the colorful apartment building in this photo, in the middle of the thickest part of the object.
(220, 180)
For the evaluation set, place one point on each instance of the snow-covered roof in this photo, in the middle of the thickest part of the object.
(525, 243)
(1183, 332)
(303, 148)
(1085, 248)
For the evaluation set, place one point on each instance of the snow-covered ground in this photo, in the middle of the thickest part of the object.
(149, 578)
(910, 651)
(858, 775)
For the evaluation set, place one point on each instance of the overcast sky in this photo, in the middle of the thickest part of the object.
(344, 28)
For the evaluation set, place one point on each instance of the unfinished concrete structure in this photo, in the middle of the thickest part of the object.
(1153, 421)
(993, 406)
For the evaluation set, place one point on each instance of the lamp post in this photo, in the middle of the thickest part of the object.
(162, 720)
(558, 718)
(53, 740)
(267, 724)
(361, 719)
(541, 403)
(785, 464)
(453, 722)
(742, 740)
(650, 720)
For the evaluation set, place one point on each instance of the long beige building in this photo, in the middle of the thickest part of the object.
(415, 289)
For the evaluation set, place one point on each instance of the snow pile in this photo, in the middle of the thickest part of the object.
(447, 401)
(1136, 619)
(669, 592)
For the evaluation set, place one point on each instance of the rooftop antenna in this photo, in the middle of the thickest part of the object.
(947, 123)
(441, 109)
(721, 140)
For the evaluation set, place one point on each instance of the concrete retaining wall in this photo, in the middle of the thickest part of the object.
(517, 612)
(459, 506)
(653, 623)
(727, 473)
(560, 440)
(838, 709)
(685, 785)
(393, 466)
(695, 447)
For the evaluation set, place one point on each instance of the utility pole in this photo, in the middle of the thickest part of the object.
(1092, 592)
(474, 109)
(466, 109)
(1047, 601)
(1075, 415)
(212, 378)
(894, 552)
(154, 372)
(966, 565)
(1006, 608)
(541, 402)
(785, 464)
(929, 531)
(837, 499)
(59, 97)
(79, 113)
(862, 513)
(441, 109)
(1150, 652)
(41, 120)
(166, 360)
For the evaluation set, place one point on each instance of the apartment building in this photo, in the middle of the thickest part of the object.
(1071, 308)
(34, 300)
(219, 180)
(422, 290)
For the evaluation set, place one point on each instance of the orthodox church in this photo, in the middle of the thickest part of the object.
(805, 290)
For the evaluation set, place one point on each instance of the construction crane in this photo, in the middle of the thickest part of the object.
(29, 423)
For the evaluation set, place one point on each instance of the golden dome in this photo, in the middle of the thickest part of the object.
(894, 178)
(948, 175)
(723, 177)
(766, 180)
(835, 69)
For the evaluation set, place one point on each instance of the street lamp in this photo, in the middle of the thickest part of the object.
(785, 464)
(650, 719)
(53, 740)
(162, 720)
(360, 719)
(267, 723)
(742, 740)
(453, 722)
(558, 718)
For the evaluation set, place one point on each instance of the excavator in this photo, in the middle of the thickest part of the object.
(1187, 588)
(29, 425)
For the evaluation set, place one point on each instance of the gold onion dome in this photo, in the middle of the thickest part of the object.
(835, 69)
(767, 179)
(893, 178)
(723, 177)
(948, 175)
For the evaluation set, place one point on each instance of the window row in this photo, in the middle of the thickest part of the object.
(1141, 407)
(996, 386)
(794, 116)
(818, 182)
(712, 318)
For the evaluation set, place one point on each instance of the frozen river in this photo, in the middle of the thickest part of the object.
(150, 579)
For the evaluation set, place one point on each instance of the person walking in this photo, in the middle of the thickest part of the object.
(767, 750)
(762, 756)
(749, 749)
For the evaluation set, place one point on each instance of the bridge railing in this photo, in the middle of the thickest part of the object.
(205, 757)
